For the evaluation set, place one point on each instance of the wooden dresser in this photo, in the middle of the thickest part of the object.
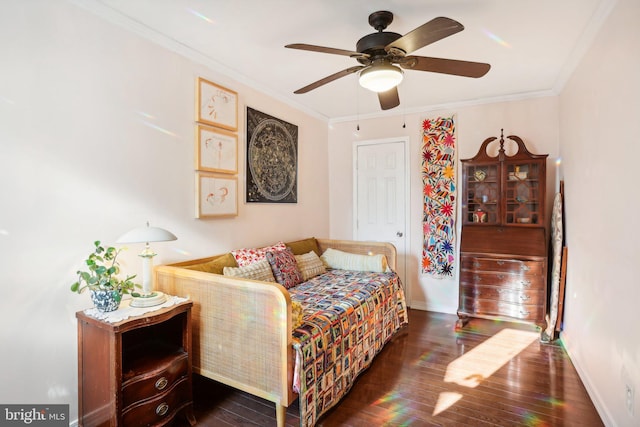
(136, 372)
(503, 249)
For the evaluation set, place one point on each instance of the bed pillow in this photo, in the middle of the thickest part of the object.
(215, 266)
(248, 256)
(300, 247)
(356, 262)
(259, 270)
(310, 265)
(284, 268)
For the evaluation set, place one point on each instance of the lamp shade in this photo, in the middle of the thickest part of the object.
(380, 77)
(146, 234)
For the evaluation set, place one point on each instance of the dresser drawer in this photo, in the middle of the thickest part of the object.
(524, 312)
(150, 384)
(160, 408)
(512, 266)
(503, 294)
(511, 280)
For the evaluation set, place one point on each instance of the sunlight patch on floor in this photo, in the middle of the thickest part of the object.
(446, 400)
(470, 369)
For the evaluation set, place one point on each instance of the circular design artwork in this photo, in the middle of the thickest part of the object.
(272, 160)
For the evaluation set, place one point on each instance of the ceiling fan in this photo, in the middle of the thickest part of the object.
(384, 54)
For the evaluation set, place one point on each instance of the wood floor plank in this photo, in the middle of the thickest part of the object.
(434, 375)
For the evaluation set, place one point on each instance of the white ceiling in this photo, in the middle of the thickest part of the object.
(532, 45)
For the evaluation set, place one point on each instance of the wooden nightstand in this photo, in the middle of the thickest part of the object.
(136, 372)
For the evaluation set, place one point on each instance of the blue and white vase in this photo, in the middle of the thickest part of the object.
(106, 300)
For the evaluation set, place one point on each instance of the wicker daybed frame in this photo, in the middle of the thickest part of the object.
(242, 328)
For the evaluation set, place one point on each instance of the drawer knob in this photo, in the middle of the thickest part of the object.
(524, 297)
(500, 276)
(500, 262)
(476, 264)
(161, 383)
(477, 279)
(162, 409)
(525, 267)
(524, 313)
(525, 282)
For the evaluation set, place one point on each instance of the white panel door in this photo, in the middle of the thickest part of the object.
(380, 181)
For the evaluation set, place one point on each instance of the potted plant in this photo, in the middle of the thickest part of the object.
(101, 278)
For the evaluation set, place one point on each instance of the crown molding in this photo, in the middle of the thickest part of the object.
(113, 16)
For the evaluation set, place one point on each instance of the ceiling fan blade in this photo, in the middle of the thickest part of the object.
(323, 49)
(445, 66)
(432, 31)
(329, 79)
(389, 99)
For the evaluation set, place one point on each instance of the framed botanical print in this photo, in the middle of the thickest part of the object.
(216, 195)
(216, 105)
(216, 150)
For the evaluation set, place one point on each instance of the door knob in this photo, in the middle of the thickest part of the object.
(399, 233)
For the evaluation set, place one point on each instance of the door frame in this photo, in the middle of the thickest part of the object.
(405, 140)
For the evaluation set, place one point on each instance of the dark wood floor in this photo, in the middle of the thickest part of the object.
(488, 374)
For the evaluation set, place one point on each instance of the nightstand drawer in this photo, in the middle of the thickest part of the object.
(512, 266)
(152, 383)
(162, 407)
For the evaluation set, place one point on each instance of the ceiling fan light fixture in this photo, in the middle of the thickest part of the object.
(381, 77)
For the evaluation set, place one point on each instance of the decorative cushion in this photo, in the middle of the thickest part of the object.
(284, 267)
(356, 262)
(215, 266)
(247, 256)
(259, 270)
(300, 247)
(310, 265)
(296, 315)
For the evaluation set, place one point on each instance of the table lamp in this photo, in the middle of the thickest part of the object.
(148, 297)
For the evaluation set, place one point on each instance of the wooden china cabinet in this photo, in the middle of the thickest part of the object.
(503, 249)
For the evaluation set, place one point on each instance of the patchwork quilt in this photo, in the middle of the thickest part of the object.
(348, 317)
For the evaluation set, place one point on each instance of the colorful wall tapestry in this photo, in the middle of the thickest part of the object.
(439, 196)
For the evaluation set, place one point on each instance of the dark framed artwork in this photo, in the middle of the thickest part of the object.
(272, 159)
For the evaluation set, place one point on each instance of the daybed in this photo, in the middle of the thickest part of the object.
(243, 334)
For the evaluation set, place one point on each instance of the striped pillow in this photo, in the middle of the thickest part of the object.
(355, 262)
(310, 265)
(260, 270)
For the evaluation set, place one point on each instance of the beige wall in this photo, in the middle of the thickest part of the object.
(600, 147)
(96, 137)
(534, 120)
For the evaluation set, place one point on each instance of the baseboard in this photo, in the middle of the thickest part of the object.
(425, 306)
(418, 305)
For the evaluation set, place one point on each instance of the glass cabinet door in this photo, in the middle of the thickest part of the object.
(522, 196)
(483, 194)
(504, 189)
